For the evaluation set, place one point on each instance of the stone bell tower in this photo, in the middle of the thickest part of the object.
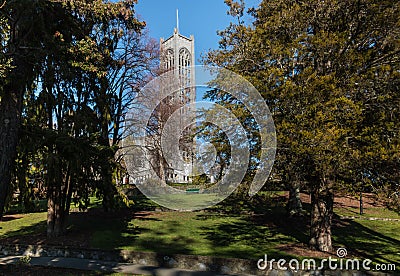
(177, 54)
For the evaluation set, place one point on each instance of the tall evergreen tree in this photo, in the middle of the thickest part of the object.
(23, 35)
(69, 70)
(329, 71)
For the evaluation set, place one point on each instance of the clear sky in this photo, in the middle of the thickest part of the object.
(202, 18)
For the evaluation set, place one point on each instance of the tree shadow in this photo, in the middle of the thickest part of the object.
(362, 241)
(152, 239)
(142, 203)
(270, 211)
(118, 230)
(91, 229)
(32, 234)
(267, 229)
(245, 236)
(108, 230)
(177, 245)
(10, 217)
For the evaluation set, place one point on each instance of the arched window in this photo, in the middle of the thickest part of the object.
(184, 58)
(169, 62)
(185, 61)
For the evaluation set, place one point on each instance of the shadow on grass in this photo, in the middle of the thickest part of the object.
(107, 230)
(32, 234)
(154, 239)
(118, 230)
(252, 236)
(268, 226)
(10, 217)
(367, 243)
(260, 229)
(142, 203)
(177, 245)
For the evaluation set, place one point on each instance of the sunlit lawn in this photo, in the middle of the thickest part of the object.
(216, 234)
(369, 212)
(376, 240)
(26, 225)
(196, 233)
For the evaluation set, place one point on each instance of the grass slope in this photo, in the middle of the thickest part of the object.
(212, 233)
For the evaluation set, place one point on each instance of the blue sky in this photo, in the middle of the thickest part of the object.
(202, 18)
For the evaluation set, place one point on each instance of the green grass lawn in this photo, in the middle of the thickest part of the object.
(217, 234)
(195, 233)
(25, 225)
(380, 212)
(375, 240)
(188, 201)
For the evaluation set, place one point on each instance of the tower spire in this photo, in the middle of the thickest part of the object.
(177, 20)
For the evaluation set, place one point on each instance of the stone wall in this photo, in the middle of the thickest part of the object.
(191, 262)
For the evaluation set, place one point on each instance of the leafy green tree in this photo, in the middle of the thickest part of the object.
(329, 71)
(78, 70)
(97, 73)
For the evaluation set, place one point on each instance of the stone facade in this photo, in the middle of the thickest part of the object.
(177, 56)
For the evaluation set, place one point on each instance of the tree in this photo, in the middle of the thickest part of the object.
(23, 33)
(97, 71)
(77, 71)
(325, 69)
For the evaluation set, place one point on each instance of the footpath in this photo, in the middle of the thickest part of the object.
(103, 266)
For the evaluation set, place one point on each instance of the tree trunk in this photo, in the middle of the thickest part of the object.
(109, 190)
(9, 126)
(57, 198)
(11, 96)
(25, 190)
(321, 219)
(107, 169)
(294, 206)
(54, 228)
(57, 213)
(56, 219)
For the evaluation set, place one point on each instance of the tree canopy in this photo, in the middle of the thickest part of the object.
(69, 70)
(329, 71)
